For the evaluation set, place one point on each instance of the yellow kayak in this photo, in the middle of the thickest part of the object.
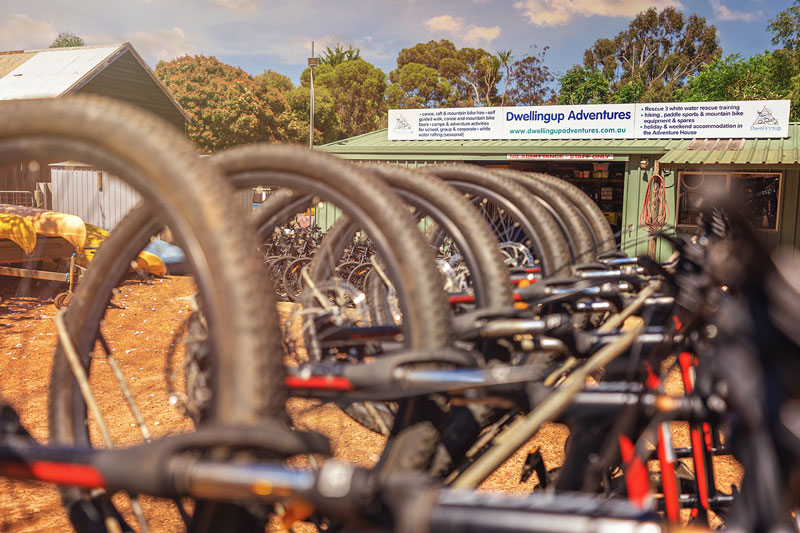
(21, 225)
(19, 230)
(146, 261)
(69, 227)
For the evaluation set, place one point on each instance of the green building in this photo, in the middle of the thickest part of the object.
(615, 173)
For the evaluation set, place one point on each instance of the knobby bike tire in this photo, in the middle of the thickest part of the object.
(601, 229)
(468, 229)
(178, 190)
(448, 208)
(547, 239)
(408, 259)
(576, 232)
(374, 205)
(292, 280)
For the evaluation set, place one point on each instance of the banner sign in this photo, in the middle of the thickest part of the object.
(753, 119)
(563, 157)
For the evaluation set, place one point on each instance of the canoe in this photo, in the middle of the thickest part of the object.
(146, 261)
(48, 223)
(20, 231)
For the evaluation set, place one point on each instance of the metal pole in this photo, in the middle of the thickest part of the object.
(311, 106)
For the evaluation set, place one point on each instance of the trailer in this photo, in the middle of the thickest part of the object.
(31, 236)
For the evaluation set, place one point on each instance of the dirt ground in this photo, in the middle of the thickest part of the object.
(139, 328)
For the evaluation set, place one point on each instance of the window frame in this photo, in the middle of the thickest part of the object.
(729, 176)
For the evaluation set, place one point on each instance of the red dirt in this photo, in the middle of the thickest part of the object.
(139, 330)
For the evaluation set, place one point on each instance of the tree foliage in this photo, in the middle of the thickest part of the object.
(453, 77)
(326, 123)
(785, 27)
(505, 57)
(581, 85)
(275, 80)
(658, 50)
(227, 105)
(418, 86)
(768, 76)
(530, 80)
(339, 55)
(67, 40)
(357, 90)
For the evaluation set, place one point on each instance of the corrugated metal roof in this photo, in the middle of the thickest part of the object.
(52, 72)
(11, 60)
(377, 144)
(741, 152)
(114, 70)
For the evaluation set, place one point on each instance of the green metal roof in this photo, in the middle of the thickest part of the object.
(737, 151)
(376, 145)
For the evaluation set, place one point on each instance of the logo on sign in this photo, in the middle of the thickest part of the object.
(402, 124)
(765, 118)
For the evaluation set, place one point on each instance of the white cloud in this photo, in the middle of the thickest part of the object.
(560, 12)
(247, 6)
(153, 46)
(722, 12)
(160, 44)
(296, 49)
(20, 32)
(477, 34)
(444, 23)
(458, 28)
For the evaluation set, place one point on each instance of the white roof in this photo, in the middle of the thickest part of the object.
(51, 72)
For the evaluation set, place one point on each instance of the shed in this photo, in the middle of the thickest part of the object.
(116, 71)
(767, 171)
(614, 172)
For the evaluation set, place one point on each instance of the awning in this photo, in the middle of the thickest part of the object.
(737, 151)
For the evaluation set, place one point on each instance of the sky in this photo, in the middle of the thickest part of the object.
(257, 35)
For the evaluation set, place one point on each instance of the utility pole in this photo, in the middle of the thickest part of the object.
(312, 62)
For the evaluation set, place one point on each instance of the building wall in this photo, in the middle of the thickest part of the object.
(102, 199)
(96, 196)
(634, 238)
(21, 176)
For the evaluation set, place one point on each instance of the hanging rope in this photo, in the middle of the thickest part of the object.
(655, 210)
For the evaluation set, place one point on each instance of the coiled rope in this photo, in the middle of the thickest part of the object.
(655, 210)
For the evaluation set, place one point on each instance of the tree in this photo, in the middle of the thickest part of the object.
(659, 50)
(338, 55)
(67, 40)
(357, 89)
(505, 57)
(771, 75)
(275, 80)
(326, 123)
(631, 93)
(785, 27)
(327, 126)
(530, 79)
(417, 86)
(471, 73)
(226, 104)
(580, 85)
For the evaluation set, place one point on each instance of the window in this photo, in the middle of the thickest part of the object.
(759, 193)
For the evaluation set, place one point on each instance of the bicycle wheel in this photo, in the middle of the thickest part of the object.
(177, 191)
(276, 271)
(592, 214)
(409, 262)
(455, 218)
(513, 212)
(358, 274)
(293, 279)
(566, 213)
